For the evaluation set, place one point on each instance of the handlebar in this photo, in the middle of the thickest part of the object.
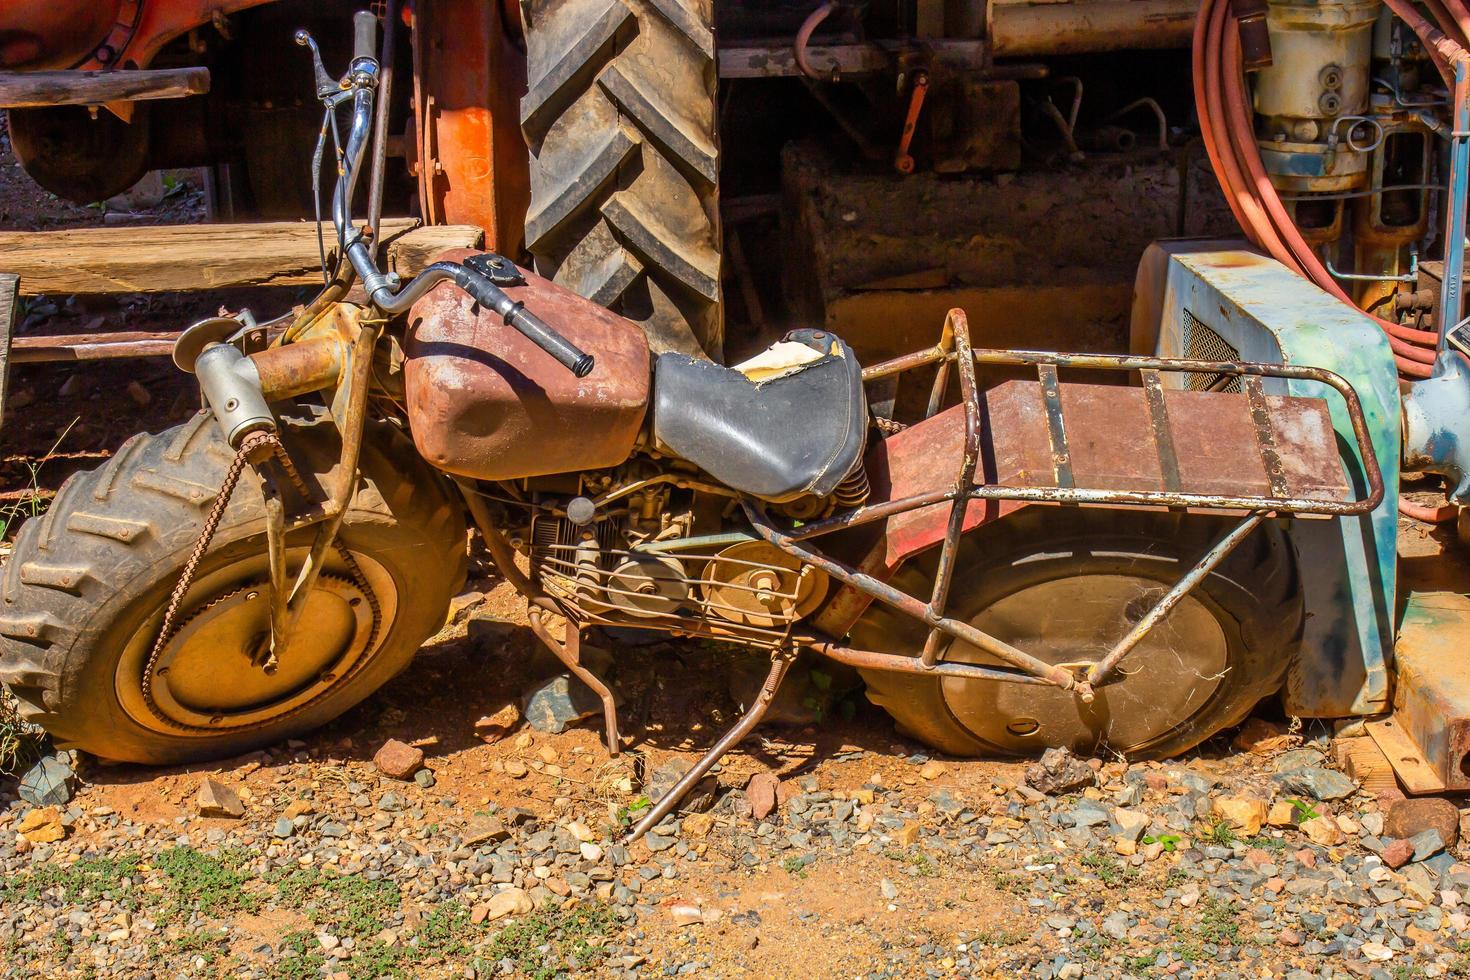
(359, 85)
(364, 35)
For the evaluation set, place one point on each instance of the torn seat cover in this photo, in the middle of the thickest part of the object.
(799, 429)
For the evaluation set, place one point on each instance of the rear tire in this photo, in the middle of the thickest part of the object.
(1249, 608)
(620, 122)
(84, 592)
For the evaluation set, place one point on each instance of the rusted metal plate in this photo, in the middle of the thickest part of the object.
(1105, 438)
(485, 402)
(1428, 737)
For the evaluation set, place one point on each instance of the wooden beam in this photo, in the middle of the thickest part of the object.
(189, 258)
(20, 89)
(9, 287)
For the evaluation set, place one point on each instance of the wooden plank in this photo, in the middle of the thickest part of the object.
(1363, 760)
(9, 287)
(186, 258)
(50, 88)
(1408, 763)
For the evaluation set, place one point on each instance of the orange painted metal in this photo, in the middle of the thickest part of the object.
(53, 34)
(471, 159)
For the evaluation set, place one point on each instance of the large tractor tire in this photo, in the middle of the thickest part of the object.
(1065, 585)
(620, 121)
(85, 591)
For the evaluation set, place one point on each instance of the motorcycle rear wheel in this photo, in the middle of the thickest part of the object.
(85, 590)
(1065, 585)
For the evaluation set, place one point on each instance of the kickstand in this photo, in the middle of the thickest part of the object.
(780, 663)
(569, 651)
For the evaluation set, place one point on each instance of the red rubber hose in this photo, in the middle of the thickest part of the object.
(1226, 121)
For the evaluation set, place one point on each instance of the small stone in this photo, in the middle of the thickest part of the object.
(1410, 817)
(547, 754)
(580, 831)
(558, 703)
(932, 769)
(1125, 847)
(1281, 814)
(761, 793)
(1261, 737)
(1058, 772)
(590, 851)
(49, 782)
(512, 901)
(698, 825)
(664, 777)
(1131, 824)
(1376, 952)
(1289, 937)
(1322, 830)
(1426, 844)
(685, 915)
(41, 825)
(215, 799)
(1244, 814)
(515, 769)
(283, 829)
(425, 778)
(908, 834)
(483, 829)
(1397, 853)
(298, 808)
(888, 890)
(492, 728)
(657, 842)
(1318, 783)
(398, 760)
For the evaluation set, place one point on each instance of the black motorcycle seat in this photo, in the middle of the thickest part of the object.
(800, 432)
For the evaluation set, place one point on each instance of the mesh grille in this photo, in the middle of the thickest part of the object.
(1203, 344)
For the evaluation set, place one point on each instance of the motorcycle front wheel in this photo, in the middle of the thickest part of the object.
(85, 591)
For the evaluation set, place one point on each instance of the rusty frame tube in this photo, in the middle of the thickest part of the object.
(956, 327)
(910, 606)
(349, 409)
(299, 368)
(899, 664)
(569, 652)
(501, 553)
(780, 664)
(1102, 671)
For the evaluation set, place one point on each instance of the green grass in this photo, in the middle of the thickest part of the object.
(88, 879)
(345, 905)
(1109, 870)
(1273, 844)
(1220, 833)
(923, 864)
(212, 884)
(572, 941)
(1218, 922)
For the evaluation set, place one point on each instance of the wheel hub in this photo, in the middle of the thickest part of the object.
(217, 673)
(1162, 682)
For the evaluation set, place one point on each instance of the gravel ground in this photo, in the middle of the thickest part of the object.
(499, 854)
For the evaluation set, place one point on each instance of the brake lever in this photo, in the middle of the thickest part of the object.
(326, 85)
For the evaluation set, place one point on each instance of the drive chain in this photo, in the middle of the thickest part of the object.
(249, 446)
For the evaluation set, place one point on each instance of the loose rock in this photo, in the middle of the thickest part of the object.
(1410, 817)
(398, 760)
(215, 799)
(1059, 771)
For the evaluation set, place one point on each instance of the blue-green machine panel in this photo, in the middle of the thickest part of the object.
(1191, 298)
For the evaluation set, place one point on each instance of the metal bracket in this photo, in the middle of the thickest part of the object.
(497, 268)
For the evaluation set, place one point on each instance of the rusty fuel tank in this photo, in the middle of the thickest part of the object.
(484, 402)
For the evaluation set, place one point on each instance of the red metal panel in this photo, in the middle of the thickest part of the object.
(1112, 444)
(469, 79)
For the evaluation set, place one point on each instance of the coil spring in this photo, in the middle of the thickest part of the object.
(854, 489)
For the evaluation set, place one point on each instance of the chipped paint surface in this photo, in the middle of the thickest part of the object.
(1347, 566)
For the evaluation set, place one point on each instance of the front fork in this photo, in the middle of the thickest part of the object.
(332, 352)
